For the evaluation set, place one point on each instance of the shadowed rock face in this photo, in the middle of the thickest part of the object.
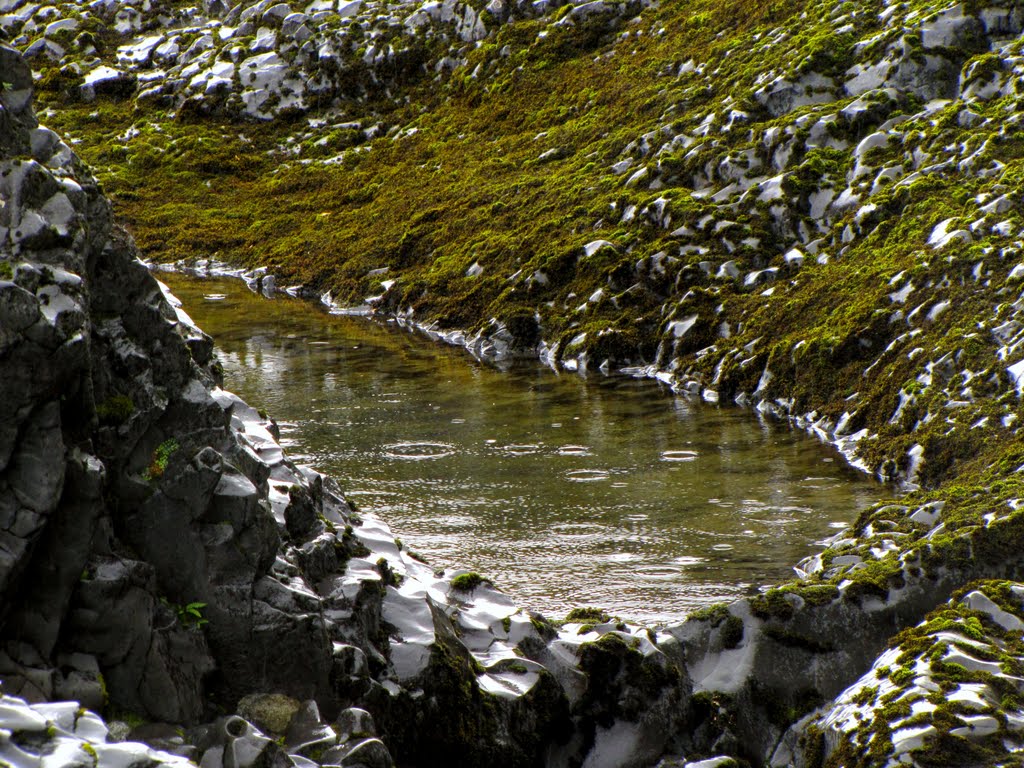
(121, 477)
(160, 555)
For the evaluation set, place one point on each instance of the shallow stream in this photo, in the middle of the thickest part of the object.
(608, 491)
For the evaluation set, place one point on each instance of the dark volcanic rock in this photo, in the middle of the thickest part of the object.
(112, 444)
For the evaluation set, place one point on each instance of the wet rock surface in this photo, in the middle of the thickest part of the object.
(946, 692)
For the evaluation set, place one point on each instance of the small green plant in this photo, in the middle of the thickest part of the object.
(467, 582)
(589, 615)
(115, 410)
(6, 270)
(191, 615)
(161, 456)
(416, 556)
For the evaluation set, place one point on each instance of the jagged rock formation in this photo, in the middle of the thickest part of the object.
(68, 734)
(263, 59)
(946, 693)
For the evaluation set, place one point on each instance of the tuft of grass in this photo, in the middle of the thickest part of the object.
(588, 615)
(115, 410)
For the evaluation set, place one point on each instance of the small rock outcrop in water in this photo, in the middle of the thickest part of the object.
(160, 556)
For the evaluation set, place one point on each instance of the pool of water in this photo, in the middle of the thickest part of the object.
(608, 491)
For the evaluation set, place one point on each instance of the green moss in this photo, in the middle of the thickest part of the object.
(389, 578)
(715, 613)
(732, 632)
(902, 675)
(772, 605)
(60, 84)
(591, 615)
(467, 582)
(865, 695)
(131, 719)
(115, 410)
(417, 556)
(90, 750)
(349, 546)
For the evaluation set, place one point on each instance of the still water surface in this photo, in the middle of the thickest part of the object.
(609, 492)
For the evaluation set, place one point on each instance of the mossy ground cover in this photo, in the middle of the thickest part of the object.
(467, 186)
(458, 180)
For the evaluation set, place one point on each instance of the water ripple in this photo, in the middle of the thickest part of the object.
(587, 475)
(678, 455)
(418, 451)
(574, 450)
(520, 450)
(466, 466)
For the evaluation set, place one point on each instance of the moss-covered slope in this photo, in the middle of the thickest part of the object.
(811, 205)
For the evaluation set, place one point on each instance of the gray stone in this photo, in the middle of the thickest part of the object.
(354, 723)
(369, 753)
(36, 470)
(301, 515)
(61, 556)
(307, 733)
(951, 28)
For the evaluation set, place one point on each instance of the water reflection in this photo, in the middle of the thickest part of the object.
(609, 492)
